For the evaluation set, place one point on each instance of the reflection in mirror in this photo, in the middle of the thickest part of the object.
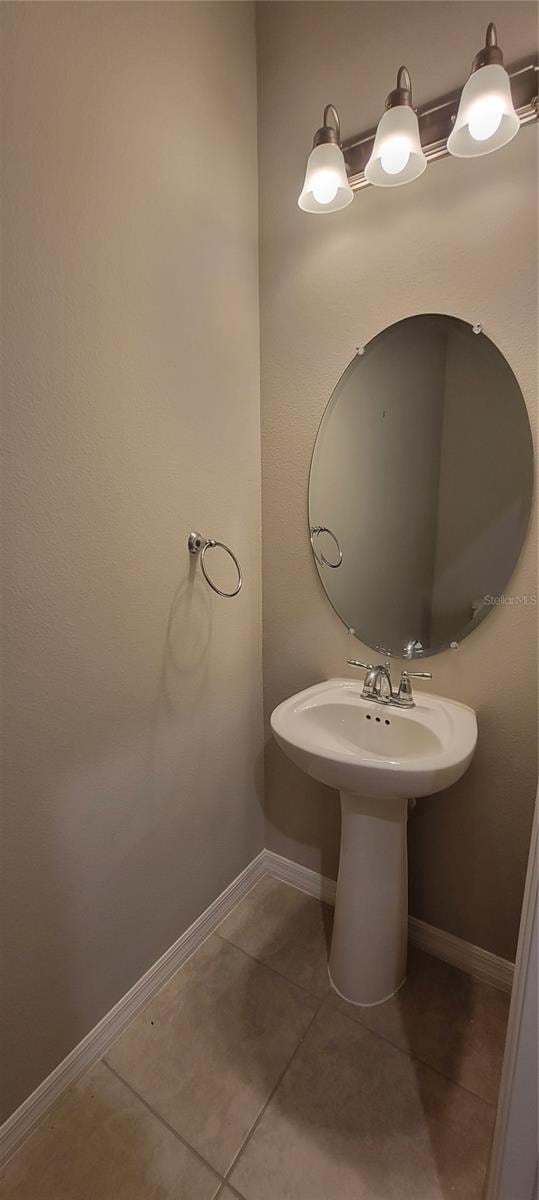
(330, 558)
(421, 486)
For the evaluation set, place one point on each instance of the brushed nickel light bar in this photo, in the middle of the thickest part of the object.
(436, 120)
(477, 119)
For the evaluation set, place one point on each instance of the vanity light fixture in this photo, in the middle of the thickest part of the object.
(474, 120)
(397, 155)
(486, 119)
(326, 187)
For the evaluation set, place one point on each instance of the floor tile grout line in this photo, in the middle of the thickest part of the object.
(330, 992)
(412, 1057)
(327, 997)
(335, 1008)
(164, 1122)
(321, 1001)
(258, 1119)
(313, 995)
(233, 1191)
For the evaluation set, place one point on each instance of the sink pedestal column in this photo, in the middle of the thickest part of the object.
(368, 949)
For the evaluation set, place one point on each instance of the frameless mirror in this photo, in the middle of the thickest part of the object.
(421, 486)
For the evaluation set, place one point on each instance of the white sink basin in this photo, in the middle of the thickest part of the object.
(378, 756)
(359, 746)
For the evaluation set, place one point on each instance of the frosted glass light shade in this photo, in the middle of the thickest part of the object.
(486, 119)
(326, 187)
(397, 156)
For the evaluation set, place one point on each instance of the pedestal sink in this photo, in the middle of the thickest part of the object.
(378, 756)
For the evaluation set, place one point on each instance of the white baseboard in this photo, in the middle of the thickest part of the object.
(483, 965)
(477, 962)
(21, 1123)
(299, 877)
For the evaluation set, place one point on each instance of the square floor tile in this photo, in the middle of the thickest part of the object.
(445, 1018)
(356, 1119)
(286, 929)
(208, 1049)
(100, 1143)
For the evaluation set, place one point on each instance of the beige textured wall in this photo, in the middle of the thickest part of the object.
(132, 694)
(460, 240)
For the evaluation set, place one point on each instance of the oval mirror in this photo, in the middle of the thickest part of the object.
(421, 486)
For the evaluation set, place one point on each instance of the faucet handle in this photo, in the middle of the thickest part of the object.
(353, 662)
(404, 695)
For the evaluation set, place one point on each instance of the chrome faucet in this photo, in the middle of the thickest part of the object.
(377, 684)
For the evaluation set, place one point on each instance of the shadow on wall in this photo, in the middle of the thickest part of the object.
(186, 644)
(298, 807)
(185, 678)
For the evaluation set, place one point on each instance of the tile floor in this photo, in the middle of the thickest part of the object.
(246, 1076)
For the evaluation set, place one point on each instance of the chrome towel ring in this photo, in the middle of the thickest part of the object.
(199, 545)
(316, 530)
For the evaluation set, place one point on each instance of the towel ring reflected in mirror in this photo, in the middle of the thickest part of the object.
(316, 530)
(200, 545)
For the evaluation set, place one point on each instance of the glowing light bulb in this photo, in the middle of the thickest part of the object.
(395, 155)
(325, 186)
(484, 118)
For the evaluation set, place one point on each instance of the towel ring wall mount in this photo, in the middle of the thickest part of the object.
(197, 544)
